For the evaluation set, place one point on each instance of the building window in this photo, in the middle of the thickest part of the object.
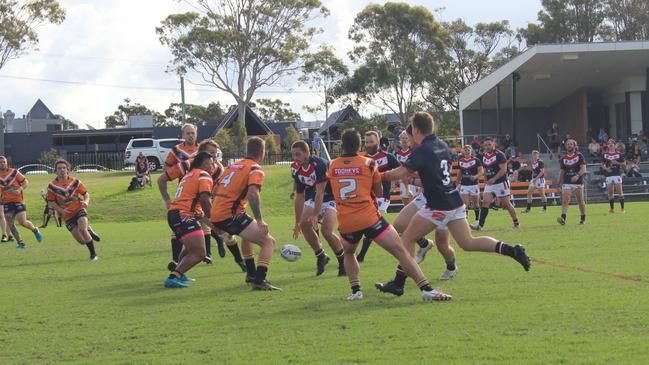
(53, 127)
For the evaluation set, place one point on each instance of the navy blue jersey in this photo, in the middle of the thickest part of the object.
(386, 162)
(571, 164)
(491, 162)
(306, 178)
(536, 168)
(468, 167)
(609, 157)
(432, 160)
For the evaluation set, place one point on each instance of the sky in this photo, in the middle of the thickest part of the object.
(108, 51)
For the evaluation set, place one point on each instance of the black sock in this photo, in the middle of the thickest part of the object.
(483, 216)
(422, 242)
(504, 249)
(234, 250)
(356, 288)
(611, 202)
(320, 253)
(545, 205)
(563, 216)
(622, 202)
(176, 247)
(425, 287)
(340, 255)
(47, 219)
(583, 217)
(208, 245)
(260, 275)
(400, 277)
(477, 213)
(91, 248)
(366, 246)
(450, 266)
(529, 207)
(250, 266)
(515, 221)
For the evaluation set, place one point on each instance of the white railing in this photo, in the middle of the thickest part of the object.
(540, 141)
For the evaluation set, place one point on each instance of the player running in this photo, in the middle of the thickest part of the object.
(408, 192)
(496, 183)
(571, 179)
(241, 183)
(68, 196)
(431, 159)
(314, 200)
(355, 182)
(192, 201)
(177, 172)
(537, 183)
(469, 182)
(12, 184)
(385, 161)
(613, 165)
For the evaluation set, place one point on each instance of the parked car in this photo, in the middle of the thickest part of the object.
(155, 150)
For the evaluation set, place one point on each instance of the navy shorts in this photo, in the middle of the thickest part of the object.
(72, 223)
(235, 225)
(14, 208)
(182, 226)
(373, 232)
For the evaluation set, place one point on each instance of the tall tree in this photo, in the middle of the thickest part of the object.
(398, 46)
(239, 46)
(275, 110)
(19, 22)
(322, 70)
(195, 114)
(629, 19)
(127, 109)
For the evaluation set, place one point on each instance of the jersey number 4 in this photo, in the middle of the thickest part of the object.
(227, 179)
(348, 190)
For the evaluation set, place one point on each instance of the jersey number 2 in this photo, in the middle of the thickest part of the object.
(347, 191)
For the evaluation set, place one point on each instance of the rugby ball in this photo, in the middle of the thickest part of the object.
(290, 252)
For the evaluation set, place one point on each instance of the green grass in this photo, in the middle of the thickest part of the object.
(585, 305)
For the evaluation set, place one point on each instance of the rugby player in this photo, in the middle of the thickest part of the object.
(241, 184)
(537, 183)
(613, 164)
(6, 231)
(186, 150)
(191, 203)
(496, 183)
(314, 200)
(444, 207)
(69, 197)
(355, 182)
(408, 192)
(12, 184)
(469, 183)
(177, 172)
(385, 161)
(571, 180)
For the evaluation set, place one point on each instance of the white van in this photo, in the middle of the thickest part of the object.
(155, 150)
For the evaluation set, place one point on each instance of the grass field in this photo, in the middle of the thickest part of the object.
(584, 301)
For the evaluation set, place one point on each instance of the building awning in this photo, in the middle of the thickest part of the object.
(105, 132)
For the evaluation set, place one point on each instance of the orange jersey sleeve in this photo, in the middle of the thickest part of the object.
(352, 180)
(176, 171)
(232, 189)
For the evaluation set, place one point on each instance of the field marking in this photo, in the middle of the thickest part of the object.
(591, 271)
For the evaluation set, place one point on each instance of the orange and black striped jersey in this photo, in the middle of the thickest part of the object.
(232, 188)
(67, 194)
(179, 170)
(10, 180)
(181, 152)
(352, 179)
(192, 185)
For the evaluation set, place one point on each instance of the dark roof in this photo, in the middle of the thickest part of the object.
(338, 117)
(254, 125)
(40, 111)
(279, 128)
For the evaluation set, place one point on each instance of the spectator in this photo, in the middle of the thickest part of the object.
(142, 174)
(507, 142)
(602, 135)
(594, 149)
(316, 144)
(642, 145)
(396, 131)
(633, 164)
(141, 159)
(475, 144)
(553, 139)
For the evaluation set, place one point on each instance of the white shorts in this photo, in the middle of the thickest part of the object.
(403, 189)
(440, 218)
(383, 205)
(613, 180)
(420, 201)
(501, 190)
(538, 184)
(572, 187)
(326, 205)
(470, 190)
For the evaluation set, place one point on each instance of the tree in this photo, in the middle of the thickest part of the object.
(49, 157)
(322, 70)
(275, 110)
(271, 146)
(120, 117)
(292, 136)
(224, 139)
(629, 19)
(362, 125)
(67, 123)
(240, 46)
(398, 46)
(195, 114)
(19, 22)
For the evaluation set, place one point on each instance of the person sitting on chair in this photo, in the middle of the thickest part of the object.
(142, 173)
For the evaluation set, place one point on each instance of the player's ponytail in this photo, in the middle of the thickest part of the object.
(200, 159)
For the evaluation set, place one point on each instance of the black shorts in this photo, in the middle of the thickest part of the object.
(72, 223)
(182, 226)
(235, 225)
(14, 208)
(373, 232)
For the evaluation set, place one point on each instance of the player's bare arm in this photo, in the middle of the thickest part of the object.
(206, 203)
(86, 200)
(162, 186)
(400, 173)
(298, 203)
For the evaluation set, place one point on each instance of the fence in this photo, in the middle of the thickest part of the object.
(110, 160)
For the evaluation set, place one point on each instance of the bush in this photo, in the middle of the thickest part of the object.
(226, 142)
(292, 136)
(271, 146)
(49, 157)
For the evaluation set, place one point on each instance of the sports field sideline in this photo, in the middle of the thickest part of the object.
(584, 300)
